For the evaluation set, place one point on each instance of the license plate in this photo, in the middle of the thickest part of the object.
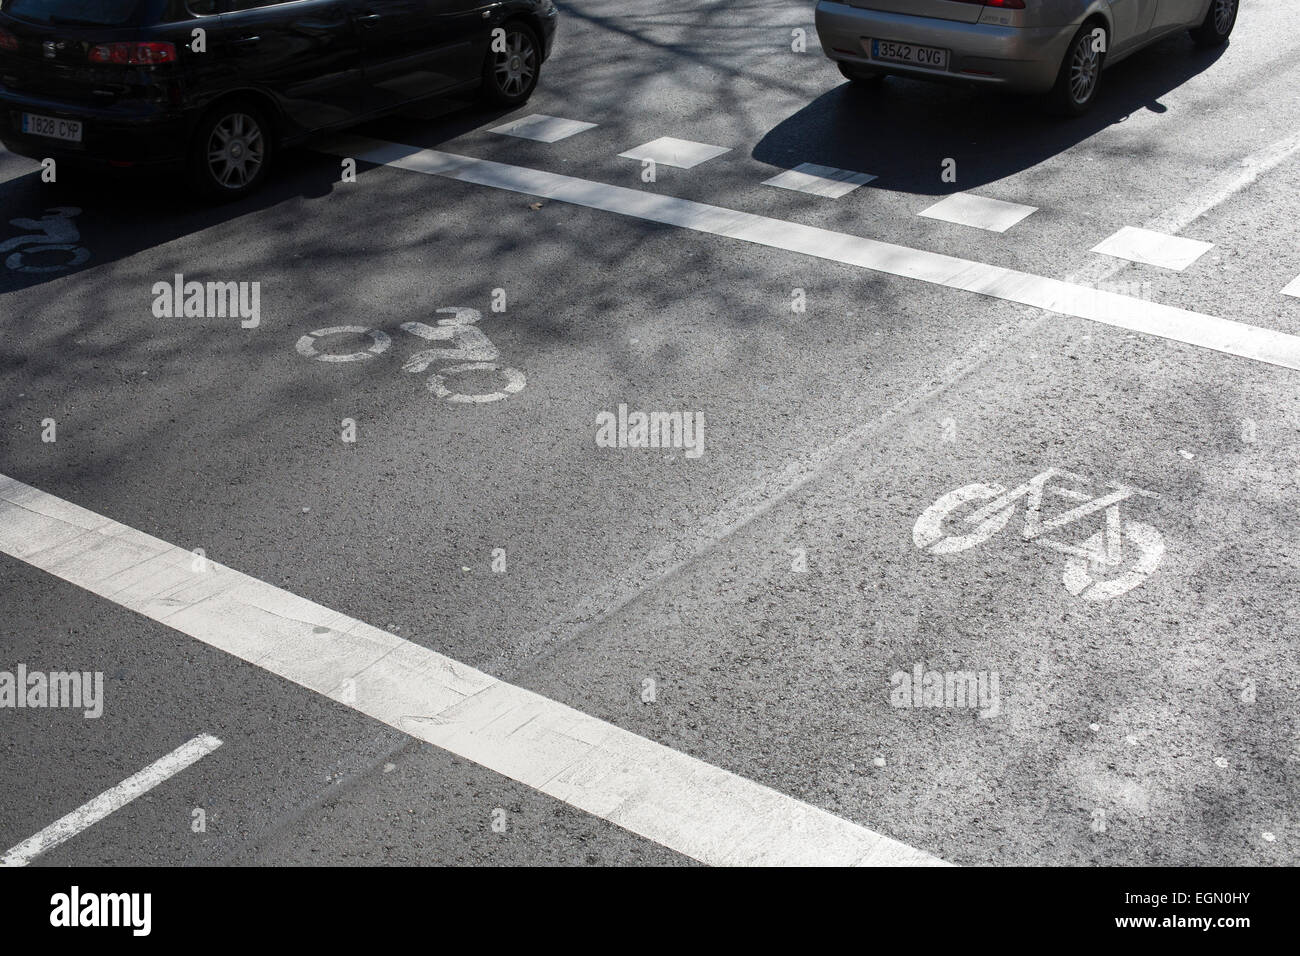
(53, 127)
(927, 56)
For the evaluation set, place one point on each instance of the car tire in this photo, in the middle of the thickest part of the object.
(231, 151)
(1080, 77)
(510, 75)
(860, 78)
(1217, 25)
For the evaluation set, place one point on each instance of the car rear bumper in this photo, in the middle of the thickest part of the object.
(126, 133)
(1024, 59)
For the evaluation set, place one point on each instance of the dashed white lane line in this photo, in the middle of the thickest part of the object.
(1053, 295)
(676, 800)
(965, 209)
(1293, 288)
(110, 801)
(681, 153)
(1153, 248)
(825, 181)
(543, 128)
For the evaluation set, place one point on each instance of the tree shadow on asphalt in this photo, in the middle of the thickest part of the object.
(71, 347)
(124, 211)
(251, 399)
(899, 134)
(736, 300)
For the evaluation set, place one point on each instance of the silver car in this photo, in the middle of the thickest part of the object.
(1057, 47)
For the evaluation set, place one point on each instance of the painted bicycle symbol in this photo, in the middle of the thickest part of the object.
(58, 233)
(470, 350)
(1105, 565)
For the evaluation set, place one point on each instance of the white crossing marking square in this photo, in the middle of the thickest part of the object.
(824, 181)
(1293, 288)
(1153, 248)
(994, 215)
(543, 128)
(682, 153)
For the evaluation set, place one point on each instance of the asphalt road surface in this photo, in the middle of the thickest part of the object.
(703, 652)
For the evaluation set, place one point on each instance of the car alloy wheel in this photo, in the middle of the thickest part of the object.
(515, 67)
(1085, 68)
(1079, 78)
(236, 151)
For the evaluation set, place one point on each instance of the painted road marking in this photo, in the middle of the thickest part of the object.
(471, 349)
(824, 181)
(543, 128)
(1293, 288)
(1118, 569)
(111, 800)
(1054, 295)
(1153, 248)
(964, 209)
(676, 800)
(682, 153)
(58, 233)
(379, 345)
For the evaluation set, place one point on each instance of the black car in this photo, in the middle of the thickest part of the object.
(220, 85)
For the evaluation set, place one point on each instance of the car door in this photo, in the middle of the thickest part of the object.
(416, 48)
(1132, 19)
(1175, 14)
(304, 52)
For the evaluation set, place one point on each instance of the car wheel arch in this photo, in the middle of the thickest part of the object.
(521, 16)
(260, 98)
(1099, 12)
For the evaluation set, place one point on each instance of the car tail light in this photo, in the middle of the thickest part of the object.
(7, 40)
(133, 54)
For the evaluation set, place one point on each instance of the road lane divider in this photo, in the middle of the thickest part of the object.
(676, 800)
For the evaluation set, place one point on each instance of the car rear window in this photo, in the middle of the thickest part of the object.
(92, 12)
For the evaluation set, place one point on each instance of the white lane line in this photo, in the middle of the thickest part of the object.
(1153, 248)
(965, 209)
(676, 800)
(826, 181)
(1293, 287)
(543, 128)
(110, 801)
(682, 153)
(1053, 295)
